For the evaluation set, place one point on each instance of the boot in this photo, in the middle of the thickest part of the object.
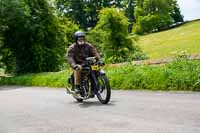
(78, 90)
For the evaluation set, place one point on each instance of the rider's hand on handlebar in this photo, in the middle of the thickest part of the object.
(77, 67)
(101, 63)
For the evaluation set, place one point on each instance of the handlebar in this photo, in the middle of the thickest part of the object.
(93, 61)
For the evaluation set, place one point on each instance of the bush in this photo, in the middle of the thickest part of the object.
(111, 36)
(35, 36)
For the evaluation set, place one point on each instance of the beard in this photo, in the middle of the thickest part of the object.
(81, 42)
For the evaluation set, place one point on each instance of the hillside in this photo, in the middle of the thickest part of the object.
(165, 44)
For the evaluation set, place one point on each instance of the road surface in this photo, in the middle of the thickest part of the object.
(44, 110)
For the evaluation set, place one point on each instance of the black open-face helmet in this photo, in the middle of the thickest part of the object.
(78, 34)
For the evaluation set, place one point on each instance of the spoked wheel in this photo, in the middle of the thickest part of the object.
(104, 91)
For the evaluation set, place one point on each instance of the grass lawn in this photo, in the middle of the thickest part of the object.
(164, 44)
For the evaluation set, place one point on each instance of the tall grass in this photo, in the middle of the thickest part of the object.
(56, 79)
(179, 75)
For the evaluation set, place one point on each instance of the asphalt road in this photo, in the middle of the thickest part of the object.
(44, 110)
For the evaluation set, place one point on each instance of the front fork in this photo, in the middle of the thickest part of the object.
(94, 76)
(94, 82)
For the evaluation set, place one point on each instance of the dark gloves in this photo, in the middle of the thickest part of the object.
(101, 63)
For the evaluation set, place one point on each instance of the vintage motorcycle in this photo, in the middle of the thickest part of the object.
(93, 82)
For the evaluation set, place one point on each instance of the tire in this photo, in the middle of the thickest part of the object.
(103, 86)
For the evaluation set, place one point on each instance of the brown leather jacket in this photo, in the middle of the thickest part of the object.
(76, 54)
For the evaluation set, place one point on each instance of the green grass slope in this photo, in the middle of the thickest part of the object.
(165, 44)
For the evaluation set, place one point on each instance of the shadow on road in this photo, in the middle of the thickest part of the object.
(86, 104)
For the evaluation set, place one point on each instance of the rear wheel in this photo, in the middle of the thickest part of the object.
(104, 91)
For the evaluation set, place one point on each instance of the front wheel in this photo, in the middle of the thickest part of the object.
(104, 91)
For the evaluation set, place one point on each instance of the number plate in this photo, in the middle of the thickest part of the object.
(95, 67)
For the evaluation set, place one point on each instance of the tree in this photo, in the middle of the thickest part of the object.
(130, 14)
(153, 15)
(74, 9)
(85, 12)
(35, 36)
(176, 14)
(111, 31)
(10, 11)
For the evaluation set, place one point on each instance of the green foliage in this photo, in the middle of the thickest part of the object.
(153, 15)
(7, 9)
(179, 75)
(85, 12)
(152, 23)
(6, 60)
(111, 36)
(129, 12)
(74, 9)
(34, 35)
(69, 28)
(176, 14)
(56, 79)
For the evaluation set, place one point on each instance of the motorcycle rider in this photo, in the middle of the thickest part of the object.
(76, 55)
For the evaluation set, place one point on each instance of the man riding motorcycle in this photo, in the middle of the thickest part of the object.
(76, 55)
